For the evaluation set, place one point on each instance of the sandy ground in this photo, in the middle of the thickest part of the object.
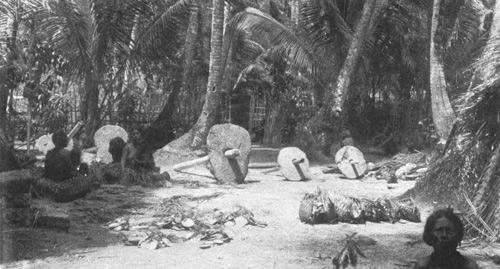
(284, 243)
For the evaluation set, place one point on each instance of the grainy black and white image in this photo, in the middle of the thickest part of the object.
(258, 134)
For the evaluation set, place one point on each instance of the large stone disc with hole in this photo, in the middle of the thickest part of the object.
(44, 144)
(224, 137)
(351, 162)
(294, 164)
(102, 138)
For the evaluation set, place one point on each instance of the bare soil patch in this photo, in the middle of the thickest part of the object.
(284, 243)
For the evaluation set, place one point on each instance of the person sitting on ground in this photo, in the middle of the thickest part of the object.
(135, 155)
(62, 164)
(112, 172)
(116, 146)
(444, 232)
(138, 164)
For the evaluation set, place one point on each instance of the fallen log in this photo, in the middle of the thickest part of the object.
(324, 207)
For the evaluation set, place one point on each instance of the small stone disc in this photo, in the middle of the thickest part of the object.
(291, 171)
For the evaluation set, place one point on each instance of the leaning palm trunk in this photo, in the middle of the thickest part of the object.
(212, 99)
(369, 18)
(442, 111)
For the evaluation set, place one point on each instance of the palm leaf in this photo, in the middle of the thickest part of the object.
(68, 28)
(262, 25)
(166, 21)
(325, 22)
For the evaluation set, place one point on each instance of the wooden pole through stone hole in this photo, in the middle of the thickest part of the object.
(229, 148)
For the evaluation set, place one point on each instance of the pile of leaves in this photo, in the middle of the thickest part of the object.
(176, 214)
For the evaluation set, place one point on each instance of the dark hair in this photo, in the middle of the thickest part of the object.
(429, 237)
(138, 128)
(60, 139)
(116, 146)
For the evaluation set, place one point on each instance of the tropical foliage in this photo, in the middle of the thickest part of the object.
(364, 66)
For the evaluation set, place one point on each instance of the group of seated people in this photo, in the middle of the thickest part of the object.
(132, 162)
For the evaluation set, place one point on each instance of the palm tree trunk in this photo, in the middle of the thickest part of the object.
(189, 51)
(337, 98)
(210, 109)
(4, 96)
(295, 11)
(90, 105)
(275, 122)
(442, 111)
(161, 131)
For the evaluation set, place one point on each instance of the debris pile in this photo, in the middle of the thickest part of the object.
(183, 222)
(401, 167)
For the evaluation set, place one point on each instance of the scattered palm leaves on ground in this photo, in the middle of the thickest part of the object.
(180, 213)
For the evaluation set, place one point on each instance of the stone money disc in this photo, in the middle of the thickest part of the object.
(102, 138)
(288, 168)
(351, 162)
(221, 138)
(44, 144)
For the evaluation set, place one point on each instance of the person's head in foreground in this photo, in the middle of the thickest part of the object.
(444, 232)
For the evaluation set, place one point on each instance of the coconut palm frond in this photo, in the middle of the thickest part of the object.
(168, 21)
(68, 27)
(263, 25)
(255, 73)
(18, 11)
(465, 31)
(324, 21)
(247, 49)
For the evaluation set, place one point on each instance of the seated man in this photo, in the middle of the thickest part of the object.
(135, 155)
(61, 179)
(444, 232)
(61, 164)
(116, 146)
(112, 172)
(138, 164)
